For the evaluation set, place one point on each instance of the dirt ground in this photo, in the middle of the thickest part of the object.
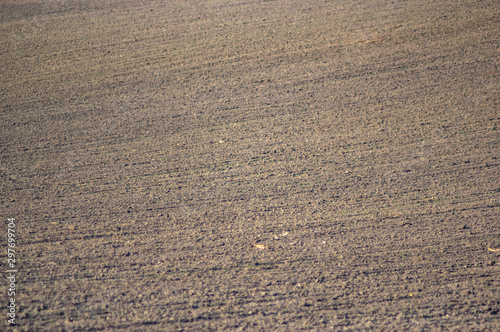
(255, 165)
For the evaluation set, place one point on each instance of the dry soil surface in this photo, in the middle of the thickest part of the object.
(193, 165)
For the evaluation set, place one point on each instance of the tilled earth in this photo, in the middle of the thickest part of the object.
(251, 165)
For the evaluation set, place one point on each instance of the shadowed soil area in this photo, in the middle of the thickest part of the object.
(251, 165)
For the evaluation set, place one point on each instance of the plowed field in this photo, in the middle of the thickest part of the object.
(253, 165)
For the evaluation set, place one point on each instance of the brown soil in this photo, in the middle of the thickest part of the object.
(252, 165)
